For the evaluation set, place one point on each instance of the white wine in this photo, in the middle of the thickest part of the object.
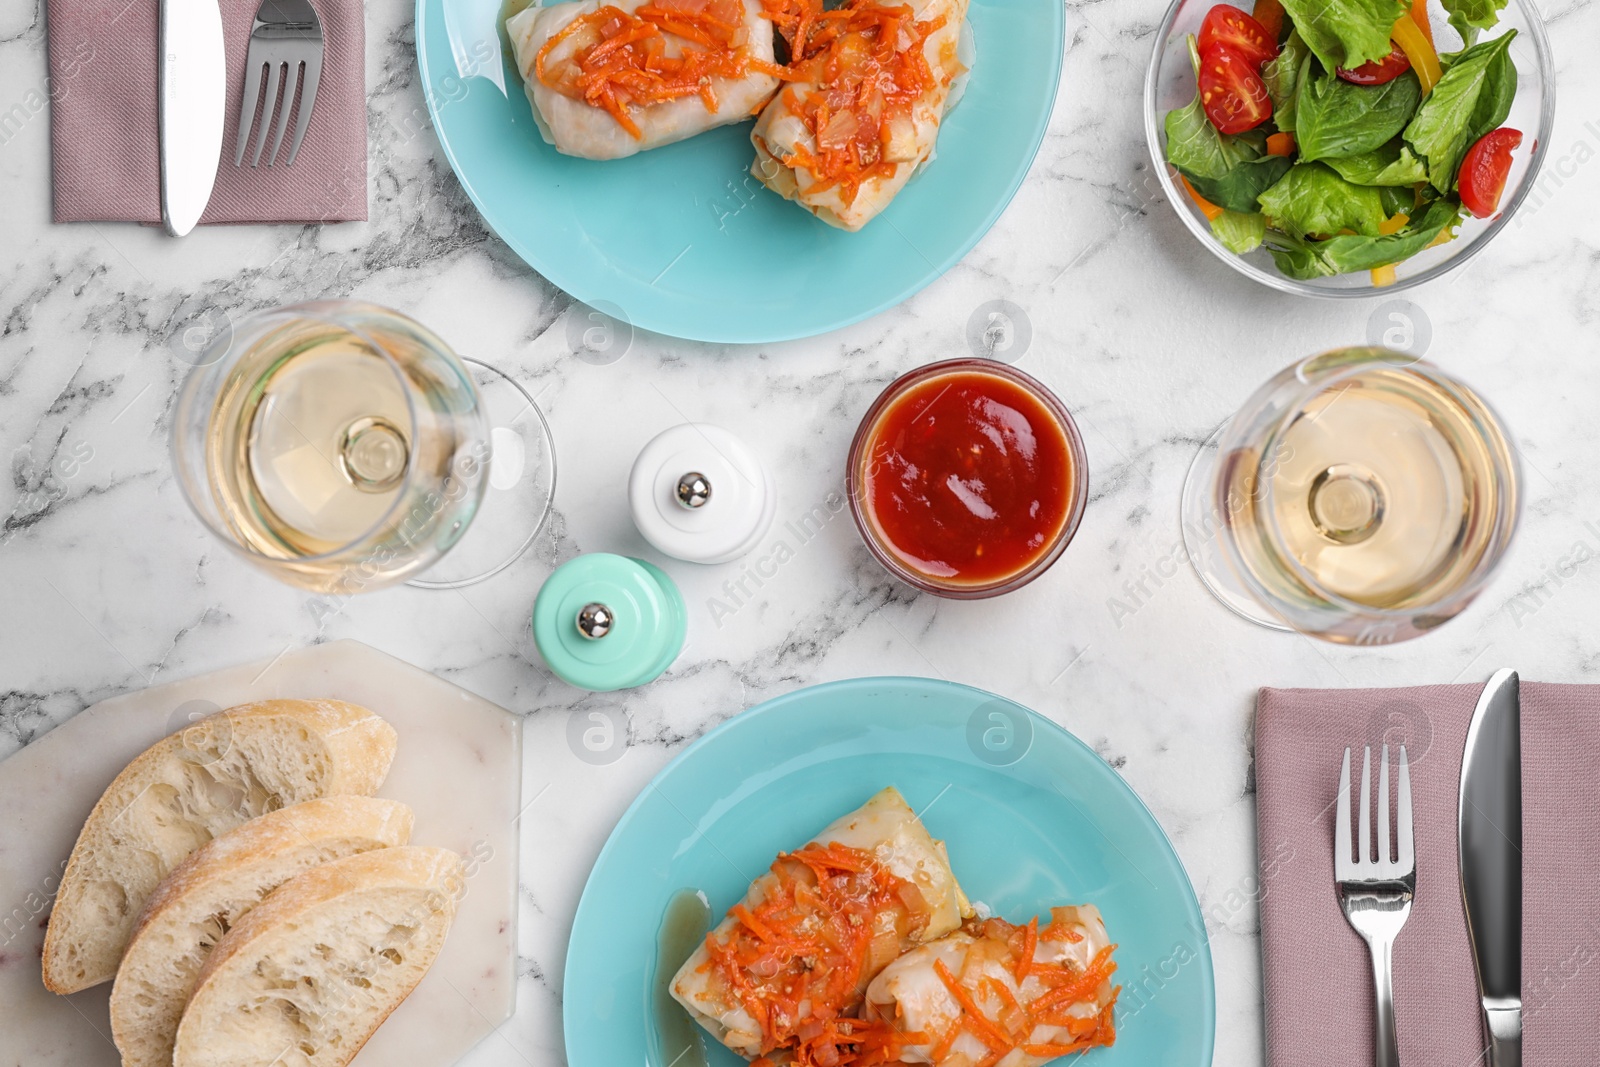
(1359, 496)
(1378, 492)
(345, 450)
(320, 446)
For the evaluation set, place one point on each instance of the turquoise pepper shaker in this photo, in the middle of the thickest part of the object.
(605, 622)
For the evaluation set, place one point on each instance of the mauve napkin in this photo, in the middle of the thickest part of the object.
(103, 130)
(1318, 975)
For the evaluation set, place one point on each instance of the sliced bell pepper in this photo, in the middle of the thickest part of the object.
(1418, 47)
(1207, 208)
(1270, 14)
(1419, 15)
(1280, 144)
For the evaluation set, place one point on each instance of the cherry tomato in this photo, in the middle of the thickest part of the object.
(1483, 172)
(1227, 25)
(1379, 71)
(1231, 91)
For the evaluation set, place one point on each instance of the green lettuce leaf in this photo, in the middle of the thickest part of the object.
(1397, 200)
(1299, 258)
(1229, 171)
(1240, 188)
(1345, 33)
(1392, 163)
(1196, 147)
(1282, 75)
(1472, 98)
(1313, 199)
(1335, 118)
(1239, 232)
(1468, 16)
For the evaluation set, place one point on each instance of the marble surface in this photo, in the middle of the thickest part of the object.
(109, 583)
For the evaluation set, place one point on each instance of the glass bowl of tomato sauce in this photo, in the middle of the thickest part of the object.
(1170, 84)
(967, 478)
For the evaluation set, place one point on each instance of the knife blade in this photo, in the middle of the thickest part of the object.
(193, 98)
(1490, 836)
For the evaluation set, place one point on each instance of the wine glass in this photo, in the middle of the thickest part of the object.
(343, 447)
(1361, 496)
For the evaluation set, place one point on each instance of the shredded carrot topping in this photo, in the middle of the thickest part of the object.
(866, 65)
(620, 61)
(799, 960)
(1004, 1019)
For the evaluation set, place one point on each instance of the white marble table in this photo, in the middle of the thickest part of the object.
(110, 584)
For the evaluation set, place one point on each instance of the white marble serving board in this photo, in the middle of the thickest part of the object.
(458, 765)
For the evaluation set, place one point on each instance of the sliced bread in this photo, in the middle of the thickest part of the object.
(183, 791)
(208, 893)
(309, 974)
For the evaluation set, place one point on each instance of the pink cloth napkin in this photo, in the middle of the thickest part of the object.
(1317, 970)
(103, 130)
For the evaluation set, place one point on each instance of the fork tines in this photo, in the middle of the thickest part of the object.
(285, 45)
(1388, 865)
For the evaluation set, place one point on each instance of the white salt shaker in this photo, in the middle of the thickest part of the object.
(699, 494)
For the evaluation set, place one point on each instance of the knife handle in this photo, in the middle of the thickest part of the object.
(1505, 1052)
(1505, 1036)
(1386, 1050)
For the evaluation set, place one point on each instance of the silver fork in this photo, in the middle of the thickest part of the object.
(287, 36)
(1376, 891)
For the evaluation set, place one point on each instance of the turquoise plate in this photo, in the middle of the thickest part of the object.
(1031, 816)
(683, 241)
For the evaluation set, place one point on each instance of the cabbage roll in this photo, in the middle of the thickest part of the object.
(871, 81)
(791, 962)
(1002, 995)
(609, 80)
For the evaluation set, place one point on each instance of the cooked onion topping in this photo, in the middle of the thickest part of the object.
(868, 67)
(799, 961)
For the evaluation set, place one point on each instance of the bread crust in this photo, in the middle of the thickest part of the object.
(262, 853)
(359, 747)
(432, 880)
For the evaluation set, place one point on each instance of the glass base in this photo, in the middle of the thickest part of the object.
(522, 484)
(1203, 530)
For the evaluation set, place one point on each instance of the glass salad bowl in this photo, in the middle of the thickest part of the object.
(1170, 84)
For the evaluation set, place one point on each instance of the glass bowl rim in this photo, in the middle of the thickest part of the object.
(1176, 197)
(855, 490)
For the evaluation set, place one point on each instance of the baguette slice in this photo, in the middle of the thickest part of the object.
(306, 977)
(207, 894)
(183, 791)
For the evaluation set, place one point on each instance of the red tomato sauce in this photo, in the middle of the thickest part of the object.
(968, 478)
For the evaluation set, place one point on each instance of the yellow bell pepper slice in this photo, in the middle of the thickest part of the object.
(1382, 276)
(1393, 225)
(1419, 49)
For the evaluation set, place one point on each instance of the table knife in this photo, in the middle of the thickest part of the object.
(1490, 834)
(193, 94)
